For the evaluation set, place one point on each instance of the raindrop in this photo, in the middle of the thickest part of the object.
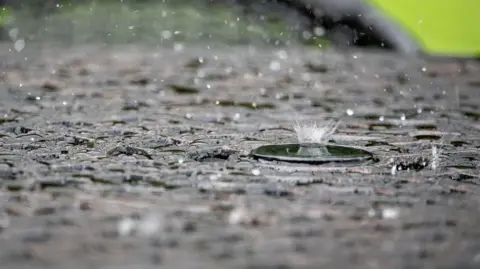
(390, 213)
(393, 170)
(319, 31)
(180, 161)
(125, 226)
(275, 65)
(282, 54)
(166, 34)
(256, 172)
(19, 45)
(350, 112)
(403, 117)
(424, 69)
(419, 110)
(381, 118)
(236, 117)
(178, 47)
(306, 35)
(13, 33)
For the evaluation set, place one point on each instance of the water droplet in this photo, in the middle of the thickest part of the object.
(256, 172)
(19, 45)
(13, 33)
(306, 35)
(419, 110)
(282, 54)
(236, 117)
(319, 31)
(390, 213)
(178, 47)
(381, 118)
(263, 91)
(393, 170)
(166, 34)
(275, 65)
(125, 226)
(188, 116)
(213, 177)
(180, 161)
(350, 112)
(403, 117)
(424, 69)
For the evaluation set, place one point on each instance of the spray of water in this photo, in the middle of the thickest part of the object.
(314, 132)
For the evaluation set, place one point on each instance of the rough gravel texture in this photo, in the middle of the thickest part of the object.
(137, 157)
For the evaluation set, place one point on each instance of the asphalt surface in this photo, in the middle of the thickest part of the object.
(130, 156)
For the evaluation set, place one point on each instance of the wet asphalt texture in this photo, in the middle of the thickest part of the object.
(137, 157)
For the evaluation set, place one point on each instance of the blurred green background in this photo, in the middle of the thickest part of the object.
(155, 22)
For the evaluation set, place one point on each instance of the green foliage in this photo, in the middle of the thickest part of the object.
(5, 16)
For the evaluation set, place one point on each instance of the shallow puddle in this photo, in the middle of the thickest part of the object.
(311, 153)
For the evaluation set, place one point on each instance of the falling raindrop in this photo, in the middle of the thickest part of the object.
(167, 34)
(282, 54)
(390, 213)
(178, 47)
(275, 65)
(13, 33)
(350, 112)
(236, 117)
(256, 172)
(403, 117)
(393, 170)
(19, 45)
(381, 118)
(125, 226)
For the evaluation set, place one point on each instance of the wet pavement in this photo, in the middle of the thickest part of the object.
(124, 156)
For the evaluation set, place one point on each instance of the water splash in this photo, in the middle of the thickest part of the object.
(315, 133)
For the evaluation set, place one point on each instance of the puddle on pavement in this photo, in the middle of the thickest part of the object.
(249, 105)
(458, 143)
(181, 89)
(427, 137)
(471, 114)
(311, 153)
